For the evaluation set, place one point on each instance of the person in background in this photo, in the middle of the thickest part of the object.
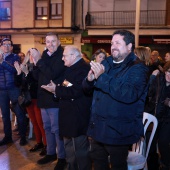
(159, 94)
(74, 112)
(167, 57)
(50, 67)
(118, 103)
(143, 53)
(9, 92)
(25, 80)
(99, 55)
(157, 61)
(22, 56)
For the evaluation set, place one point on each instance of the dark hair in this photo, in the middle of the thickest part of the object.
(128, 37)
(6, 39)
(21, 53)
(52, 33)
(166, 66)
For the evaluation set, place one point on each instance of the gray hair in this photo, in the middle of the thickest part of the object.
(74, 49)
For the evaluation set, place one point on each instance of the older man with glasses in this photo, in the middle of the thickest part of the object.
(9, 92)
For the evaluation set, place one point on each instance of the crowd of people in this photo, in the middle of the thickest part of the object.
(86, 109)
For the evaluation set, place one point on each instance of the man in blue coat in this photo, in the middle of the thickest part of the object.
(9, 92)
(120, 88)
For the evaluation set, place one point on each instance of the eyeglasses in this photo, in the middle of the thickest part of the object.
(66, 55)
(6, 45)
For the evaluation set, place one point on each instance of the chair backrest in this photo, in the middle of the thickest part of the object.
(147, 120)
(139, 147)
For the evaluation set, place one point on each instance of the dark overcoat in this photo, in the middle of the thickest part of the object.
(74, 104)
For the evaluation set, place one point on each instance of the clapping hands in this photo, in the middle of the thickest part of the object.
(50, 87)
(96, 70)
(35, 54)
(17, 67)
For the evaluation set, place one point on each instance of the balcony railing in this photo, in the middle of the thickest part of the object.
(127, 18)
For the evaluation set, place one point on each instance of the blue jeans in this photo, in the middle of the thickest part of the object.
(5, 97)
(77, 153)
(51, 127)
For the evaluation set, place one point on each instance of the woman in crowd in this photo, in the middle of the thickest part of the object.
(143, 53)
(99, 55)
(167, 57)
(25, 79)
(159, 92)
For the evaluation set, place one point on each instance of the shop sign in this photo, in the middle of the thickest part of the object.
(66, 40)
(162, 41)
(96, 40)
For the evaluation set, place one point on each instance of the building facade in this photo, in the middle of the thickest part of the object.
(27, 22)
(86, 23)
(103, 18)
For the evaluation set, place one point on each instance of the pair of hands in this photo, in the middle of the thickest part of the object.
(156, 72)
(21, 68)
(50, 87)
(96, 70)
(35, 55)
(167, 102)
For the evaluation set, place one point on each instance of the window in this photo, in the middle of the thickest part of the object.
(48, 9)
(5, 10)
(56, 9)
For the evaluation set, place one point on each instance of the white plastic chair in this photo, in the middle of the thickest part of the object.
(137, 158)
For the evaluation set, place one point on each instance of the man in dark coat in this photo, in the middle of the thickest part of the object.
(120, 88)
(50, 67)
(74, 109)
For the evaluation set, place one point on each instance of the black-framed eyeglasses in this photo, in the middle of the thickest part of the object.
(66, 55)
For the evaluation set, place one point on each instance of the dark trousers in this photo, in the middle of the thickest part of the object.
(118, 156)
(162, 138)
(5, 97)
(164, 145)
(77, 153)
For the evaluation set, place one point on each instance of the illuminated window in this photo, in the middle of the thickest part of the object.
(48, 9)
(5, 10)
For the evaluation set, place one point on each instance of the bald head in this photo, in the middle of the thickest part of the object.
(71, 55)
